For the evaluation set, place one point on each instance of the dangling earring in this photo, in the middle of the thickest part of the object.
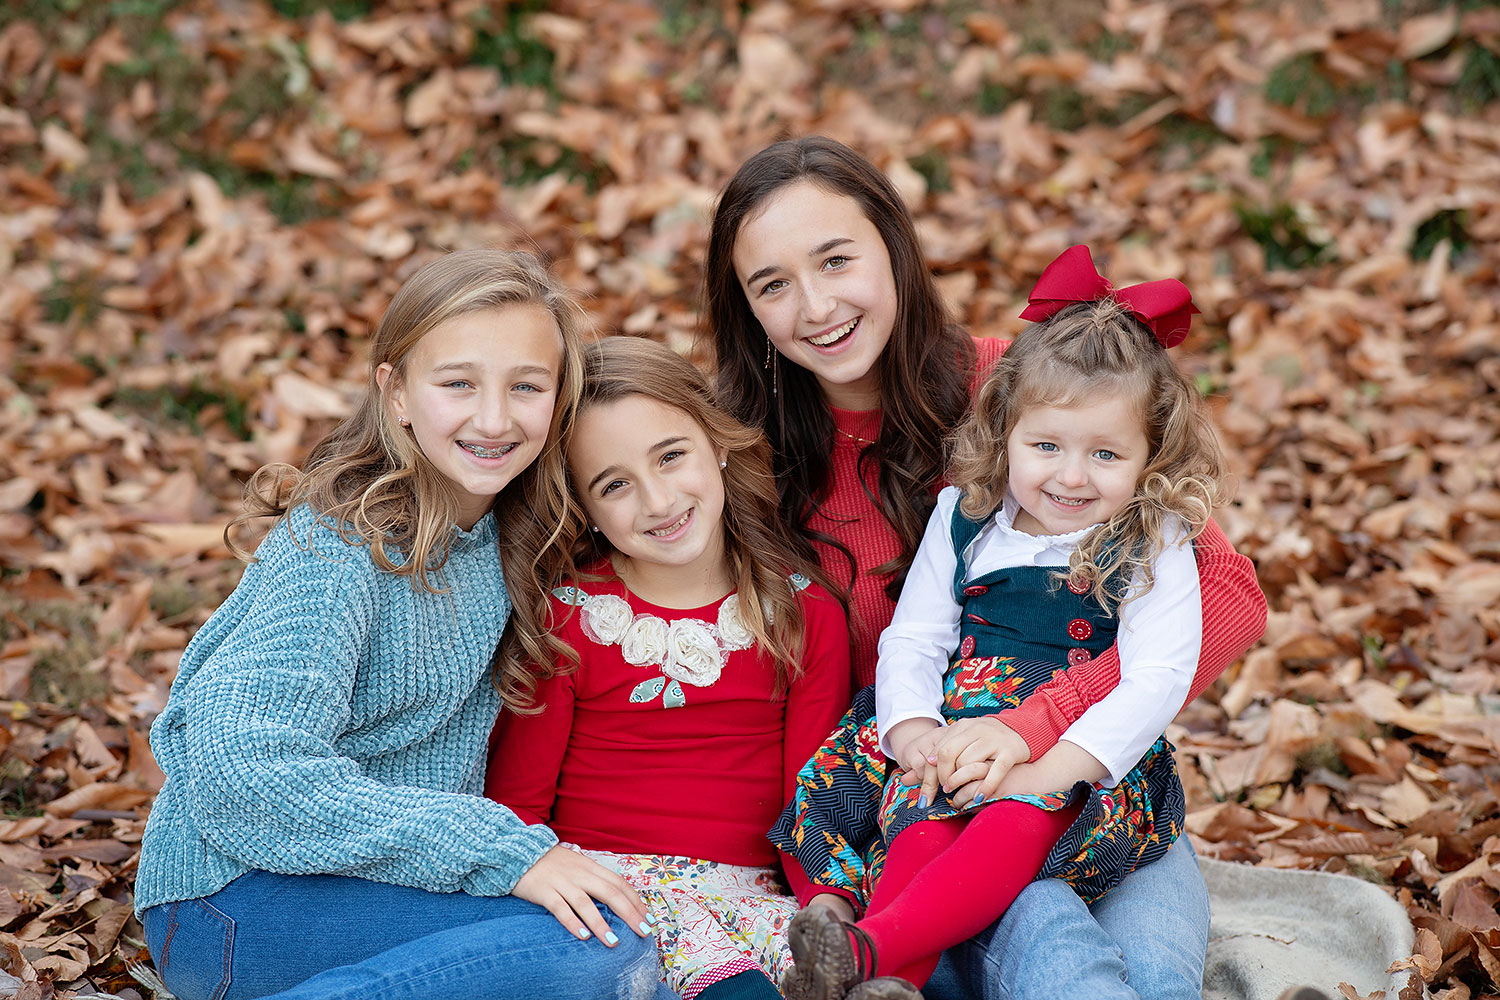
(773, 362)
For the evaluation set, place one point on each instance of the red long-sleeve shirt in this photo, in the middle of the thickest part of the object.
(609, 766)
(1234, 609)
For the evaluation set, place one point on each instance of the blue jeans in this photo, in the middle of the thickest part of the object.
(337, 938)
(1145, 938)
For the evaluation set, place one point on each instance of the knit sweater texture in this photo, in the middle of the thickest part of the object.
(330, 718)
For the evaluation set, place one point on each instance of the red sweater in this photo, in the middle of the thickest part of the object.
(610, 767)
(1234, 609)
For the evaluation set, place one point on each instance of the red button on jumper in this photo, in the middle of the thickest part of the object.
(1077, 656)
(976, 590)
(1078, 586)
(966, 648)
(1080, 629)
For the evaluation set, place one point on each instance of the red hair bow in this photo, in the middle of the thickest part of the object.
(1165, 306)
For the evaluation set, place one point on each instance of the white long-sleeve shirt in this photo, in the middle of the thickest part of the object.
(1159, 637)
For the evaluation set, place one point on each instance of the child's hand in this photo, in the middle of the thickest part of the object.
(565, 884)
(974, 756)
(835, 904)
(914, 747)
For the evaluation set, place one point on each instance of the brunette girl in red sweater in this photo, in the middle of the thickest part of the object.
(697, 669)
(830, 334)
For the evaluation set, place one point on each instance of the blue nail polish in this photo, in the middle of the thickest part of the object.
(645, 928)
(610, 939)
(583, 933)
(921, 801)
(978, 797)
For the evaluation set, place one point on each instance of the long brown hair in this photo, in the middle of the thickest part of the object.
(758, 549)
(369, 481)
(1086, 352)
(925, 371)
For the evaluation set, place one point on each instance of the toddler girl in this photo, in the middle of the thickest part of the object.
(1079, 482)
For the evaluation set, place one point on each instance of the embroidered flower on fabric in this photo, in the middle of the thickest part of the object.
(605, 618)
(645, 641)
(732, 631)
(693, 654)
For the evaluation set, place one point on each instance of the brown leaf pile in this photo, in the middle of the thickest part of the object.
(205, 206)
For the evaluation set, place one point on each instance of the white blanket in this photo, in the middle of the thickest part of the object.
(1273, 928)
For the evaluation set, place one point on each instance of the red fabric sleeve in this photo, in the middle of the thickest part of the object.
(1234, 618)
(526, 752)
(814, 704)
(818, 698)
(804, 889)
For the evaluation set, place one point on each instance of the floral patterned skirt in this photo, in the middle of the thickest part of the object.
(713, 920)
(850, 804)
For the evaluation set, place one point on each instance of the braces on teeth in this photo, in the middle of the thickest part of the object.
(487, 452)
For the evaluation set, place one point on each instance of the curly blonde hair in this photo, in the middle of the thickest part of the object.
(369, 480)
(1083, 353)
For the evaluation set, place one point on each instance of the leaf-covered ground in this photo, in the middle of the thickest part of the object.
(204, 207)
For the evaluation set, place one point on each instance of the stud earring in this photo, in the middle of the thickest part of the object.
(724, 464)
(403, 421)
(594, 527)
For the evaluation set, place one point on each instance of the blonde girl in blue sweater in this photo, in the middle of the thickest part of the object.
(321, 831)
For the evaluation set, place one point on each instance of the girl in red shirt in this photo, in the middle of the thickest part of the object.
(829, 333)
(696, 670)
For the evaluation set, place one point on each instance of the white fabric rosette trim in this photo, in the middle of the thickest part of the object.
(732, 631)
(693, 653)
(605, 618)
(688, 650)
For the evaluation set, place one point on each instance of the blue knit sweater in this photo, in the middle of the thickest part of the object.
(331, 719)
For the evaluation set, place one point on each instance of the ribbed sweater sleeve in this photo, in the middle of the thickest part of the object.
(271, 788)
(1234, 619)
(324, 725)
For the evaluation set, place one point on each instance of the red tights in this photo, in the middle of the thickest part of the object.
(947, 880)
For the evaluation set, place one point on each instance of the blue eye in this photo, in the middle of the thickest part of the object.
(1105, 455)
(1046, 446)
(458, 383)
(527, 387)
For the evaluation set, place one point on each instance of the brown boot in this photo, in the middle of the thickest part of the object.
(826, 962)
(884, 988)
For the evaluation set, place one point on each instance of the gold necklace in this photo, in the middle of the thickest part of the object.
(853, 437)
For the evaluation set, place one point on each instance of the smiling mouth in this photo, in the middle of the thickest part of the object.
(662, 532)
(835, 335)
(1068, 501)
(479, 451)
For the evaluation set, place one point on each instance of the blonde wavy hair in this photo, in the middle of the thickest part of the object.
(758, 546)
(369, 480)
(1083, 353)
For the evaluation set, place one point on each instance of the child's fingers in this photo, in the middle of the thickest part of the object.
(929, 788)
(990, 786)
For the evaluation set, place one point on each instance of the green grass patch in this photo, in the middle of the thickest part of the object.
(193, 407)
(1302, 83)
(342, 10)
(932, 164)
(1479, 79)
(1447, 224)
(1284, 234)
(504, 40)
